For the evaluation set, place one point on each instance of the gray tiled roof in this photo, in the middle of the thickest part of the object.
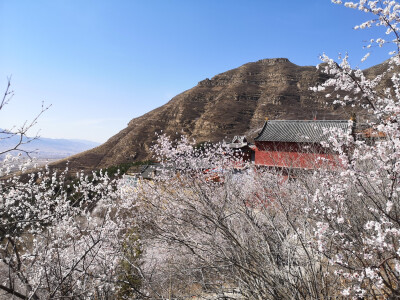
(310, 131)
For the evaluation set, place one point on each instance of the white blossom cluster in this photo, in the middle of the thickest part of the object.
(209, 224)
(59, 237)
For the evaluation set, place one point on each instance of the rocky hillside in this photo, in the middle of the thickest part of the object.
(235, 102)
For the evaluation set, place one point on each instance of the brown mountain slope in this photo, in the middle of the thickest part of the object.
(231, 103)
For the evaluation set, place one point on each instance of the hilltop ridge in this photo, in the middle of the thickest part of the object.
(234, 102)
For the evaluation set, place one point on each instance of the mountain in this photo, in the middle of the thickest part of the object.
(235, 102)
(49, 148)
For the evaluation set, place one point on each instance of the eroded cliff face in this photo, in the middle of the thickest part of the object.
(235, 102)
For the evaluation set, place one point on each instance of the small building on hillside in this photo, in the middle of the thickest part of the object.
(241, 147)
(146, 171)
(296, 143)
(137, 173)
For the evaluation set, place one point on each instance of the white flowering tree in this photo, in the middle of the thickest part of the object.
(356, 209)
(325, 234)
(18, 134)
(60, 238)
(211, 226)
(61, 235)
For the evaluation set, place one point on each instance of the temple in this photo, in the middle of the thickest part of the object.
(297, 143)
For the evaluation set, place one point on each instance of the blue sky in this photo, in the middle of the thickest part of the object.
(102, 63)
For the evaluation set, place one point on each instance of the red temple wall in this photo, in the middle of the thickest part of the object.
(293, 155)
